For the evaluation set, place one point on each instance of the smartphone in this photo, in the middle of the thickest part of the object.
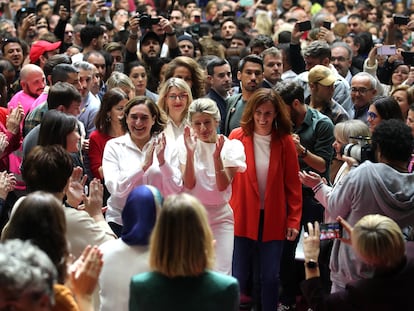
(330, 231)
(197, 19)
(408, 58)
(304, 26)
(327, 25)
(401, 19)
(229, 14)
(119, 67)
(387, 50)
(267, 1)
(108, 3)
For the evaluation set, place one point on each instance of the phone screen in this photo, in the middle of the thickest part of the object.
(387, 50)
(330, 231)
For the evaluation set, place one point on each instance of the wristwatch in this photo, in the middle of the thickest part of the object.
(304, 153)
(311, 264)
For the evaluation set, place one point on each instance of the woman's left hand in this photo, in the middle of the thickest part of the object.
(219, 146)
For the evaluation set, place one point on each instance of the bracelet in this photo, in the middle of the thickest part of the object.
(220, 171)
(170, 34)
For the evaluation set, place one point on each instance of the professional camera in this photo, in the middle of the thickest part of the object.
(146, 21)
(360, 151)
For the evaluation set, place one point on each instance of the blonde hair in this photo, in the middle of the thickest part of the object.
(164, 89)
(204, 105)
(121, 80)
(263, 24)
(351, 128)
(379, 241)
(181, 242)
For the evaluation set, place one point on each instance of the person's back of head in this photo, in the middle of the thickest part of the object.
(290, 91)
(392, 141)
(26, 272)
(60, 73)
(140, 213)
(90, 32)
(55, 60)
(182, 241)
(378, 240)
(62, 94)
(47, 168)
(318, 49)
(40, 218)
(55, 128)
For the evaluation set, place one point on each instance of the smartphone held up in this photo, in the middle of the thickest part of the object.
(330, 231)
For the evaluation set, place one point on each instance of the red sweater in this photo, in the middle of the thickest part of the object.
(97, 142)
(283, 196)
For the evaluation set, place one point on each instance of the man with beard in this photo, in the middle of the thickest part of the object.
(273, 67)
(150, 44)
(313, 137)
(220, 78)
(32, 82)
(321, 85)
(250, 75)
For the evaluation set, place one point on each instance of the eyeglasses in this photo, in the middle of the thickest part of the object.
(372, 115)
(339, 59)
(361, 90)
(180, 97)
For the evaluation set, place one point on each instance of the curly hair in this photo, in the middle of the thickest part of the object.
(393, 139)
(197, 74)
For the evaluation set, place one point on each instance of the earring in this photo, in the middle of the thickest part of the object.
(108, 119)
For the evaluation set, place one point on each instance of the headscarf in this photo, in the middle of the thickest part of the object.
(139, 214)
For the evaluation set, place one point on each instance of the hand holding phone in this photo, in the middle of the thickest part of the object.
(387, 50)
(304, 26)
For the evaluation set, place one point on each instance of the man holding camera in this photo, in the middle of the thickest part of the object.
(150, 34)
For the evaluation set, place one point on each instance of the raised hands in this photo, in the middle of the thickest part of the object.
(76, 187)
(84, 273)
(160, 149)
(93, 200)
(14, 119)
(190, 140)
(7, 184)
(219, 146)
(3, 142)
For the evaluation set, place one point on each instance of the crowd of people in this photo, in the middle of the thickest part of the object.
(169, 154)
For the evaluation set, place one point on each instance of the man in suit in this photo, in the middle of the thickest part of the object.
(220, 77)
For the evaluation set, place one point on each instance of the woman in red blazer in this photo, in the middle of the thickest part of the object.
(267, 198)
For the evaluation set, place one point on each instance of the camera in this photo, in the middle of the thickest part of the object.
(401, 20)
(146, 21)
(360, 151)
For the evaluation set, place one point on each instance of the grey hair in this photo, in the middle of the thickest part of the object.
(317, 49)
(26, 268)
(83, 65)
(371, 78)
(343, 45)
(204, 105)
(351, 128)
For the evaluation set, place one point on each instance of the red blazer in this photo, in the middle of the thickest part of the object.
(283, 197)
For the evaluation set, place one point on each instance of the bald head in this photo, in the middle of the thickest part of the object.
(32, 80)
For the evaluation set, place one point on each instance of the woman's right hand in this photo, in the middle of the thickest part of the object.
(149, 156)
(189, 140)
(310, 179)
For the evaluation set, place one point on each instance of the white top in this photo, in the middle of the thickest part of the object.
(121, 262)
(172, 131)
(261, 160)
(122, 168)
(205, 188)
